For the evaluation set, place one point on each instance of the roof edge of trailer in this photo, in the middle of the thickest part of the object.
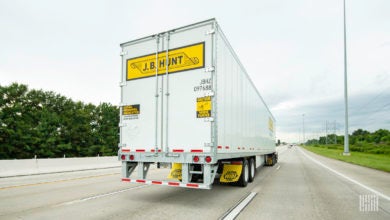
(211, 20)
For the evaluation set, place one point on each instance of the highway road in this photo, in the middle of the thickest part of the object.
(301, 186)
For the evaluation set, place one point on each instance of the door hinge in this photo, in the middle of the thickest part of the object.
(212, 31)
(209, 93)
(209, 69)
(210, 119)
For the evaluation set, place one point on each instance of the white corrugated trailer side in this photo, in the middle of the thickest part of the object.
(186, 99)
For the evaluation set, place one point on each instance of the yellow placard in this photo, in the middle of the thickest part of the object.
(231, 173)
(179, 59)
(203, 107)
(175, 171)
(270, 124)
(131, 110)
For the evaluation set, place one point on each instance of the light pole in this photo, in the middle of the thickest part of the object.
(303, 128)
(346, 138)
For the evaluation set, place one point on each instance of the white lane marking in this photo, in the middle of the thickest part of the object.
(233, 213)
(101, 195)
(346, 177)
(277, 168)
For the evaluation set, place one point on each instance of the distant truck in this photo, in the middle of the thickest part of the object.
(188, 103)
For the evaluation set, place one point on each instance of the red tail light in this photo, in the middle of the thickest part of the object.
(196, 159)
(208, 159)
(131, 157)
(123, 157)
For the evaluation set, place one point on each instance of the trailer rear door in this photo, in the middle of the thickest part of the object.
(166, 91)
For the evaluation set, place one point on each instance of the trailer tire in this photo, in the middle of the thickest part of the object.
(243, 181)
(252, 170)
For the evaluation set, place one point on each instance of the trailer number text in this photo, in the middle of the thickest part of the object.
(204, 85)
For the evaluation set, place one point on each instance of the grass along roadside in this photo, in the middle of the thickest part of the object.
(375, 161)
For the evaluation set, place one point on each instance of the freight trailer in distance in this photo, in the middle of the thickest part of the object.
(187, 102)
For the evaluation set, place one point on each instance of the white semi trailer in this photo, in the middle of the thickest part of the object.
(187, 101)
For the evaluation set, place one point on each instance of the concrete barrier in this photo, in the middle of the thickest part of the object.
(23, 167)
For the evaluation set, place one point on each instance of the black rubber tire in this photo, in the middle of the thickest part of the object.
(243, 181)
(252, 170)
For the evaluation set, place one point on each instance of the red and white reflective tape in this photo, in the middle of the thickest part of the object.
(159, 150)
(167, 183)
(238, 148)
(191, 150)
(156, 182)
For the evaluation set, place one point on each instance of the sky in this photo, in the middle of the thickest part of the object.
(292, 49)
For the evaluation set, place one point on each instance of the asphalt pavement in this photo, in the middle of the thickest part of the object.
(301, 186)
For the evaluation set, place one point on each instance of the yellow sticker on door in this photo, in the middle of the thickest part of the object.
(131, 110)
(203, 107)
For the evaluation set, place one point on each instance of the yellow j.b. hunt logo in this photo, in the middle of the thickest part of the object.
(179, 59)
(230, 176)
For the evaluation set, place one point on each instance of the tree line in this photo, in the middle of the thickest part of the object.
(358, 136)
(377, 142)
(46, 124)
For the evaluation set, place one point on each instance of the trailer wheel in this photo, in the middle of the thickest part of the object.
(243, 181)
(252, 170)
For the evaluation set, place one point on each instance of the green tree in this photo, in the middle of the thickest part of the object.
(381, 135)
(46, 124)
(361, 135)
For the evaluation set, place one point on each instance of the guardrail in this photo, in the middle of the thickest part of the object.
(22, 167)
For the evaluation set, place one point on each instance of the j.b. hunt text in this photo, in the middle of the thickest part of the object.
(171, 61)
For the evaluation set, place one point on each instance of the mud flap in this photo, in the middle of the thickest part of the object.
(269, 161)
(231, 173)
(176, 171)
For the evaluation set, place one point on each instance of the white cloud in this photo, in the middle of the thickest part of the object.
(293, 50)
